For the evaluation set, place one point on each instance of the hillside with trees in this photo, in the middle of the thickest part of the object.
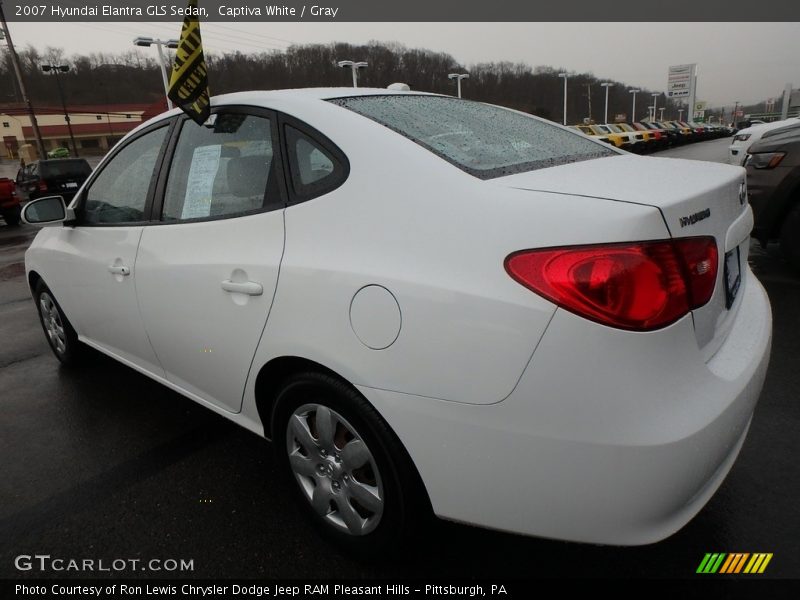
(103, 78)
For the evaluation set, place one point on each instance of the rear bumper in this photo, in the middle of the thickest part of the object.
(620, 439)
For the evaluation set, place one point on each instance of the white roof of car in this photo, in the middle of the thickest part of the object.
(321, 93)
(763, 127)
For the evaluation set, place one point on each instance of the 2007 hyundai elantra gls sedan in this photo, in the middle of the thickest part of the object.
(428, 304)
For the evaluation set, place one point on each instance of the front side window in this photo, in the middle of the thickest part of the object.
(221, 168)
(119, 193)
(483, 140)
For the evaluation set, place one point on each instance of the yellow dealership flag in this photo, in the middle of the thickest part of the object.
(188, 85)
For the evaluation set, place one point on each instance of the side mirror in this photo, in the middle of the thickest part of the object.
(47, 211)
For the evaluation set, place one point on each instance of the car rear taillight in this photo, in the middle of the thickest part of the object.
(638, 286)
(42, 186)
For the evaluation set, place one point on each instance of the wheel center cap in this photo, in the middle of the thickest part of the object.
(333, 468)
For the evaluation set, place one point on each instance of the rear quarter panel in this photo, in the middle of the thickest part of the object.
(436, 238)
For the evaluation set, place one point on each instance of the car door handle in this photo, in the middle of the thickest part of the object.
(119, 270)
(251, 288)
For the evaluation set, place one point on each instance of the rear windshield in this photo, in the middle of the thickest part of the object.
(65, 168)
(484, 140)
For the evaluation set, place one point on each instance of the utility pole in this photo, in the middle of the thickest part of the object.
(589, 96)
(56, 69)
(21, 82)
(564, 75)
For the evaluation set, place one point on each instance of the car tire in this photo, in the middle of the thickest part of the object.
(790, 237)
(58, 330)
(12, 217)
(371, 500)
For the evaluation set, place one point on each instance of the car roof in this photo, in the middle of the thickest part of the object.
(770, 126)
(321, 93)
(298, 95)
(295, 97)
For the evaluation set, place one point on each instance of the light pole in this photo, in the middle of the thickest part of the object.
(633, 109)
(565, 76)
(146, 42)
(354, 66)
(55, 70)
(661, 113)
(458, 77)
(655, 96)
(735, 112)
(606, 84)
(680, 114)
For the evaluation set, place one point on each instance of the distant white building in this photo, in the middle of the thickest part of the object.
(95, 127)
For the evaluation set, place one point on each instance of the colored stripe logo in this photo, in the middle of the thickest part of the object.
(734, 563)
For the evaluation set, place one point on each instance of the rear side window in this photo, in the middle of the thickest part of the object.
(314, 169)
(66, 168)
(220, 169)
(483, 140)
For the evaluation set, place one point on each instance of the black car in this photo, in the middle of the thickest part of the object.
(773, 185)
(52, 177)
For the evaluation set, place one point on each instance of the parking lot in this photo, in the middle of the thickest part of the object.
(104, 463)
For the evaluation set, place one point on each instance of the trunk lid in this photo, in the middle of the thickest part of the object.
(695, 198)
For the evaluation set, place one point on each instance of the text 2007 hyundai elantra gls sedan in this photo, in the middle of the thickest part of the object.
(427, 304)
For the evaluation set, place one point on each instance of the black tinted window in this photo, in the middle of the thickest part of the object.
(66, 168)
(119, 194)
(484, 140)
(314, 169)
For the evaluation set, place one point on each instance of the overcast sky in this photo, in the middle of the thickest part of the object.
(745, 62)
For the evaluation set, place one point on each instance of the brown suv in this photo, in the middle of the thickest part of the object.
(773, 185)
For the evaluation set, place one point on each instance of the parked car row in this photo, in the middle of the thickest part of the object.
(643, 137)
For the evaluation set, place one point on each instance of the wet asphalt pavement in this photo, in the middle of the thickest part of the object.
(104, 463)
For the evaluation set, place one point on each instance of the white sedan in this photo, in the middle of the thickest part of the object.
(744, 138)
(428, 304)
